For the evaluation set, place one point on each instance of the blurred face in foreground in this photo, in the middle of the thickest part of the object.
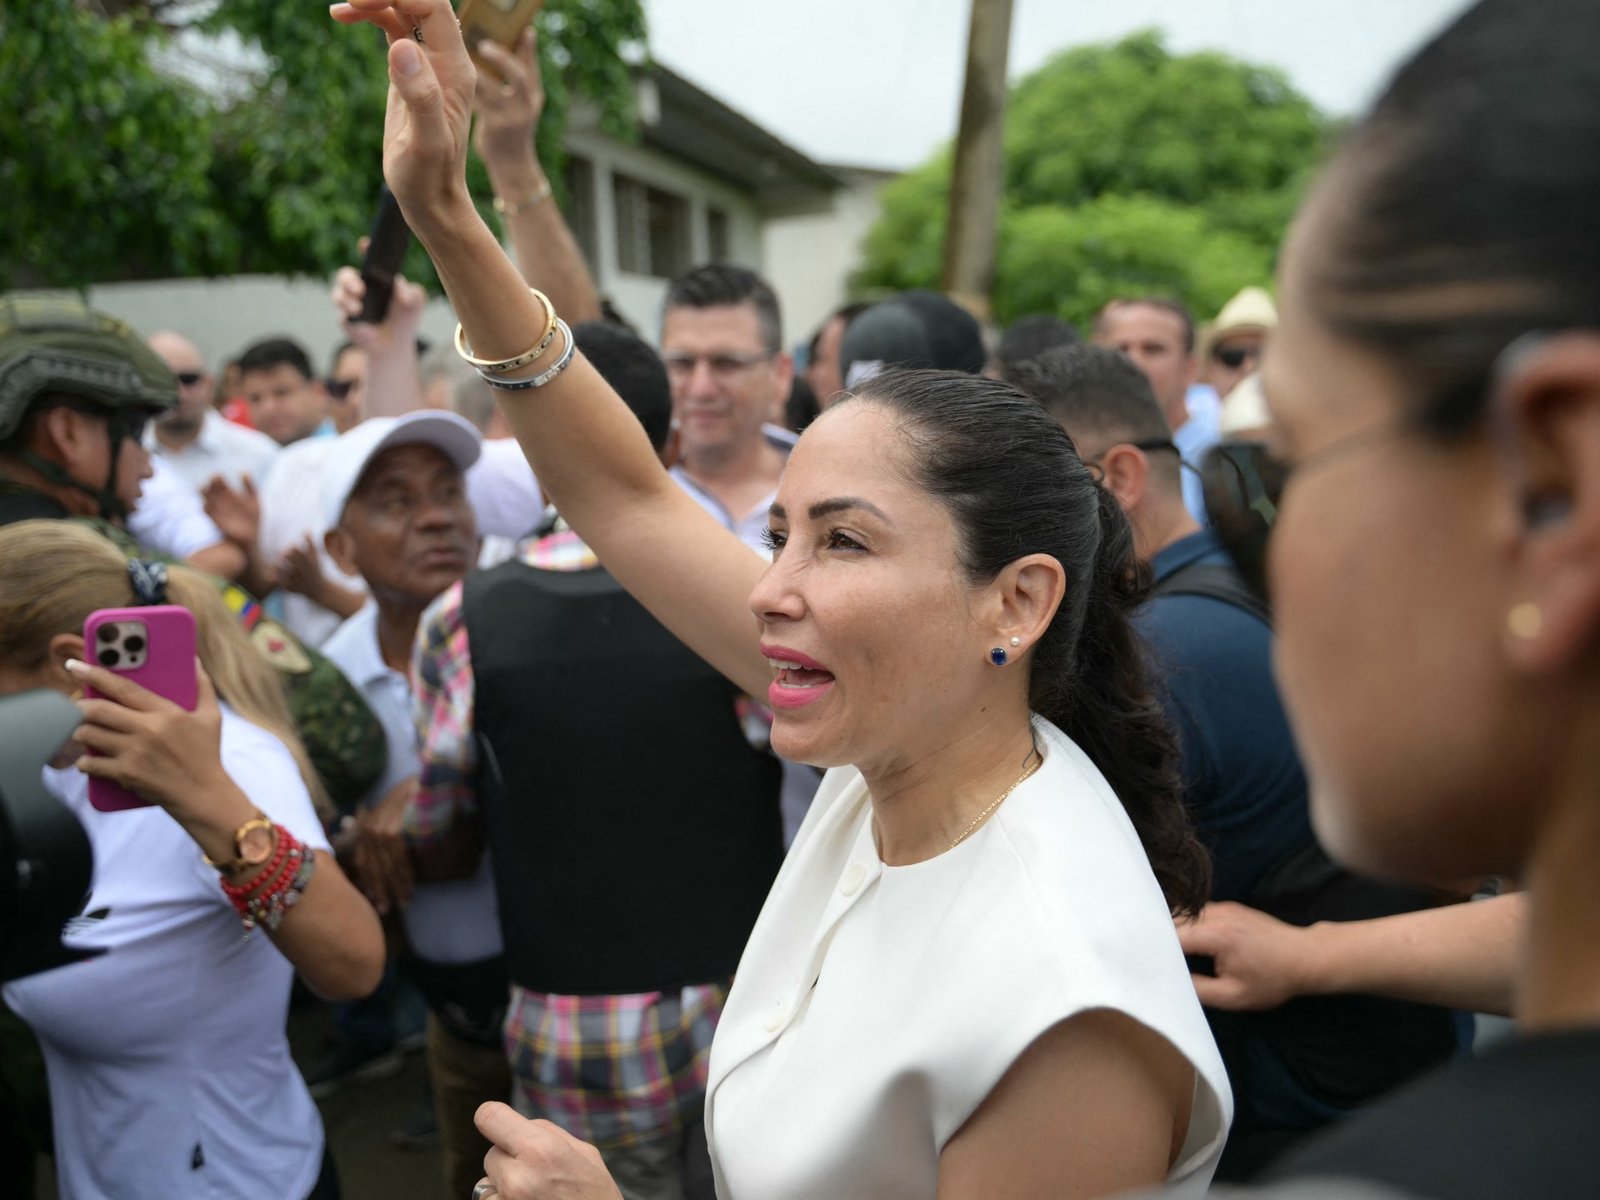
(1428, 743)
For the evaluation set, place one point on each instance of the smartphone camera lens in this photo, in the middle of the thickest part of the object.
(109, 658)
(134, 645)
(106, 633)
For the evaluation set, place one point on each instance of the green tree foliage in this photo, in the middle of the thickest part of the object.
(1128, 170)
(115, 165)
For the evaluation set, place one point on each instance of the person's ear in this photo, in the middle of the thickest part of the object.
(341, 547)
(64, 646)
(1192, 372)
(783, 367)
(62, 435)
(1547, 433)
(1125, 473)
(1023, 599)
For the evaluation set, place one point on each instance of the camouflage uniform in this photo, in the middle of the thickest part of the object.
(58, 347)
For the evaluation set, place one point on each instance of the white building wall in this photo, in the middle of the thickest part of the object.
(223, 316)
(810, 259)
(637, 296)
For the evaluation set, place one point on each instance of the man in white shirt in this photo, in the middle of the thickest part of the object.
(288, 402)
(191, 436)
(722, 343)
(1159, 336)
(395, 505)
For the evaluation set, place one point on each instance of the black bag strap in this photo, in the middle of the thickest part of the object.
(1216, 582)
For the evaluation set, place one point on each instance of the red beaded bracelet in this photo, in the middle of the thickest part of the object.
(286, 873)
(282, 841)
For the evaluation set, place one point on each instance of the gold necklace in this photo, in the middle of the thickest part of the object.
(1035, 761)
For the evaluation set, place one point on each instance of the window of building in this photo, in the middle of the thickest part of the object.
(652, 229)
(580, 210)
(717, 234)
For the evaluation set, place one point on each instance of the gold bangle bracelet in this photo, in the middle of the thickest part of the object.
(539, 196)
(501, 366)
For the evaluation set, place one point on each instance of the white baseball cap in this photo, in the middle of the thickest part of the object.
(350, 454)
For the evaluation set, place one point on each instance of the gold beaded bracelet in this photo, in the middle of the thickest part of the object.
(538, 197)
(487, 366)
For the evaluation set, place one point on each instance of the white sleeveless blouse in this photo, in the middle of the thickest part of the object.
(876, 1007)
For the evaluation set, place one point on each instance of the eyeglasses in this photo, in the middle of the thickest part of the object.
(339, 388)
(1234, 357)
(189, 378)
(1149, 446)
(721, 366)
(1243, 483)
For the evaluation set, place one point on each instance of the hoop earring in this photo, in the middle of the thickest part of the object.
(998, 656)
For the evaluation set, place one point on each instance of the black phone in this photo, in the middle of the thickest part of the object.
(386, 250)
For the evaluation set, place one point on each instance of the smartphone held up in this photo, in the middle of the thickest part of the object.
(153, 646)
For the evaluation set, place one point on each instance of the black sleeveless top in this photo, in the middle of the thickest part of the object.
(634, 830)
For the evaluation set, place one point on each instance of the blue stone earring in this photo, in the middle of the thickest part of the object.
(998, 656)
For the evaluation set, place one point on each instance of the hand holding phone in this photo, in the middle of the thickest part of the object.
(152, 647)
(386, 251)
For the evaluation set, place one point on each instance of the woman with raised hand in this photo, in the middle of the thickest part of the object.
(965, 982)
(167, 1056)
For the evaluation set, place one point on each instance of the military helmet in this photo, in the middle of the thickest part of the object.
(57, 345)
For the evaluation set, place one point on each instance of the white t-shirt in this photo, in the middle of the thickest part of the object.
(220, 448)
(170, 516)
(170, 1075)
(876, 1007)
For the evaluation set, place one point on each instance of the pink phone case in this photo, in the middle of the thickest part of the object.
(160, 659)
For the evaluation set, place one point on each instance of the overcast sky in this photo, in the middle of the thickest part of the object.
(878, 82)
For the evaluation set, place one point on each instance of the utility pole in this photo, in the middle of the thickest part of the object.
(975, 185)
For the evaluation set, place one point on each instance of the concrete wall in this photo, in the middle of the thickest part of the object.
(639, 296)
(223, 316)
(810, 259)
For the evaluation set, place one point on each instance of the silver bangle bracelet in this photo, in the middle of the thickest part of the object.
(543, 377)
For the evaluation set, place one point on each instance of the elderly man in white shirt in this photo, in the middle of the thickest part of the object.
(192, 437)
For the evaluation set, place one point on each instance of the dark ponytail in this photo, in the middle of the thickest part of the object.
(1105, 704)
(1010, 477)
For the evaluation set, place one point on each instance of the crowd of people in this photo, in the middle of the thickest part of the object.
(932, 761)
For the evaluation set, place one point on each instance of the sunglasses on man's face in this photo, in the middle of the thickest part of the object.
(1243, 484)
(1234, 357)
(189, 378)
(339, 388)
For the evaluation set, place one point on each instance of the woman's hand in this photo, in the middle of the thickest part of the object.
(509, 107)
(426, 127)
(535, 1160)
(152, 746)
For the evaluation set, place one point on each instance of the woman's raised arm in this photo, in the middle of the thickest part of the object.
(587, 449)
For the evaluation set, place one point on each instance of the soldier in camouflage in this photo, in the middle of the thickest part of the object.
(76, 388)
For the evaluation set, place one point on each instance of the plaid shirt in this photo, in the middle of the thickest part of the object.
(612, 1070)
